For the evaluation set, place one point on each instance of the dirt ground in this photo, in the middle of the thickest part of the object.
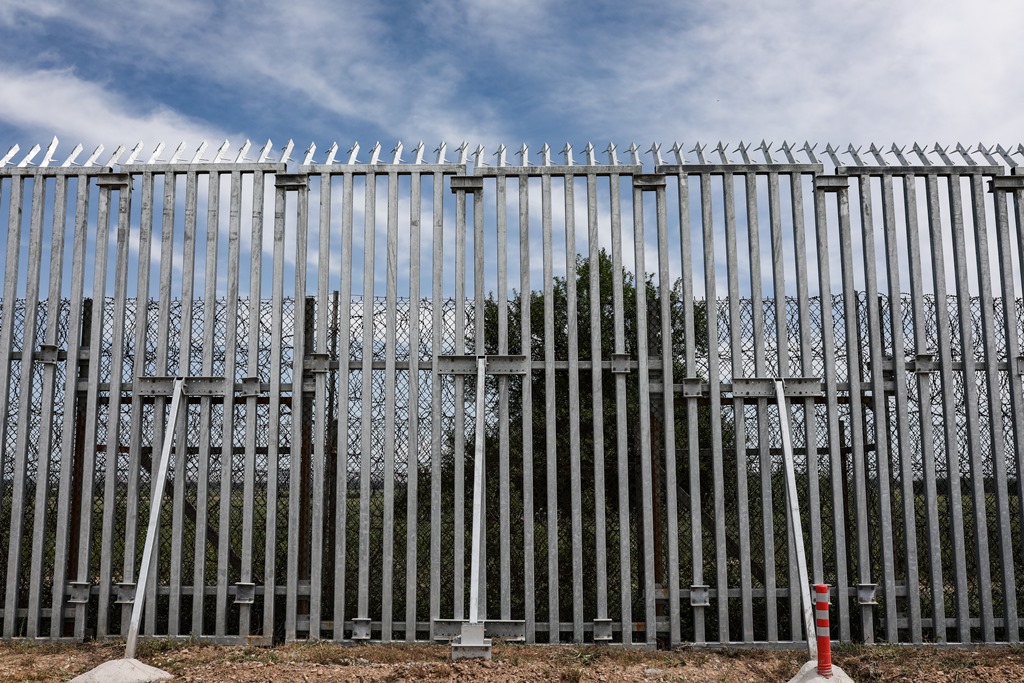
(323, 662)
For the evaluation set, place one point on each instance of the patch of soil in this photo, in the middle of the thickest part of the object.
(329, 662)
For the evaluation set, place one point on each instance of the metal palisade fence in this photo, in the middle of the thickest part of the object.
(326, 316)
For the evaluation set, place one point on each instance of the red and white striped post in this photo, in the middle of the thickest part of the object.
(822, 630)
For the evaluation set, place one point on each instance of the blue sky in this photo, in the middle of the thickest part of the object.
(508, 71)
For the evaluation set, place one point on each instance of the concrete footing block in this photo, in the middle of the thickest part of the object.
(809, 674)
(123, 671)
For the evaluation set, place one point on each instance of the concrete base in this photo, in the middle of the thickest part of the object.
(471, 644)
(123, 671)
(809, 674)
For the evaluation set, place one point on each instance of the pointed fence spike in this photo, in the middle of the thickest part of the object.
(95, 155)
(966, 154)
(478, 156)
(698, 149)
(353, 151)
(941, 151)
(1006, 155)
(177, 153)
(417, 152)
(197, 157)
(114, 158)
(923, 155)
(877, 153)
(286, 154)
(221, 152)
(854, 154)
(264, 155)
(634, 151)
(808, 149)
(655, 151)
(441, 148)
(29, 157)
(545, 155)
(156, 153)
(766, 150)
(332, 152)
(898, 153)
(833, 154)
(500, 154)
(524, 155)
(397, 152)
(1020, 149)
(48, 157)
(613, 158)
(567, 153)
(10, 153)
(677, 152)
(723, 152)
(242, 151)
(463, 151)
(787, 149)
(134, 154)
(987, 154)
(71, 157)
(310, 151)
(589, 152)
(744, 150)
(374, 153)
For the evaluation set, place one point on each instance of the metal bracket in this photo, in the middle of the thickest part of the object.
(1006, 183)
(866, 593)
(831, 183)
(291, 181)
(764, 387)
(923, 364)
(251, 387)
(78, 592)
(466, 183)
(692, 387)
(1020, 365)
(649, 181)
(602, 630)
(194, 386)
(496, 365)
(318, 363)
(361, 628)
(700, 595)
(124, 593)
(245, 593)
(620, 363)
(115, 181)
(48, 353)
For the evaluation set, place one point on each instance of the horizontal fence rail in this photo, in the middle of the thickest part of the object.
(327, 318)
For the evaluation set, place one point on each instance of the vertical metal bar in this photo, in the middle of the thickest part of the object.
(74, 346)
(894, 269)
(806, 368)
(391, 289)
(597, 398)
(878, 407)
(739, 423)
(504, 491)
(184, 362)
(112, 446)
(459, 568)
(92, 400)
(344, 373)
(942, 324)
(526, 347)
(34, 266)
(669, 413)
(575, 478)
(478, 347)
(714, 380)
(162, 351)
(550, 442)
(996, 434)
(366, 411)
(1008, 297)
(252, 370)
(924, 397)
(53, 320)
(205, 409)
(783, 359)
(437, 285)
(760, 370)
(227, 447)
(274, 428)
(692, 431)
(967, 344)
(154, 518)
(856, 408)
(321, 417)
(413, 464)
(478, 495)
(138, 370)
